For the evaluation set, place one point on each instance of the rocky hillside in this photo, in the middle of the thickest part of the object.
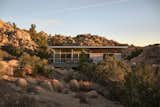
(149, 55)
(82, 40)
(15, 37)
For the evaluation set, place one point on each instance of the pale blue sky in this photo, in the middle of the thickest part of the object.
(127, 21)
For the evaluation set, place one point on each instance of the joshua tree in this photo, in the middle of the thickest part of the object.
(33, 28)
(14, 26)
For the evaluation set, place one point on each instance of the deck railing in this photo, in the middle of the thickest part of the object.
(64, 60)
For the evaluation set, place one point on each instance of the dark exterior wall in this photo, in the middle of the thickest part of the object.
(105, 50)
(109, 50)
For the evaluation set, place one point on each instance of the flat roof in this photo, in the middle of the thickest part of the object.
(88, 47)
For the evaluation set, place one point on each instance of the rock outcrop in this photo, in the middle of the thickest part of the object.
(16, 37)
(82, 40)
(7, 67)
(150, 55)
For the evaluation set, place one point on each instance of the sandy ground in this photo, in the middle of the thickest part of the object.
(11, 94)
(55, 99)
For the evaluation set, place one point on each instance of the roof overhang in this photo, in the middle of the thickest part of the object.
(88, 47)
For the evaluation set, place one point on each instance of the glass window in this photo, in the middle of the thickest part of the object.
(63, 55)
(57, 55)
(57, 51)
(68, 55)
(75, 55)
(66, 50)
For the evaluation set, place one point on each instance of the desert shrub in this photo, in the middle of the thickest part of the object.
(87, 71)
(13, 50)
(74, 75)
(4, 55)
(48, 71)
(136, 87)
(84, 57)
(43, 52)
(142, 87)
(135, 53)
(41, 40)
(86, 67)
(111, 70)
(14, 26)
(38, 65)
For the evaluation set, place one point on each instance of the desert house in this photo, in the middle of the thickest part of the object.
(69, 56)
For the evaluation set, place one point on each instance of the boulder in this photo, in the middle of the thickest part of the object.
(28, 70)
(57, 85)
(8, 78)
(74, 85)
(13, 63)
(20, 34)
(7, 68)
(85, 85)
(4, 67)
(92, 94)
(46, 85)
(22, 82)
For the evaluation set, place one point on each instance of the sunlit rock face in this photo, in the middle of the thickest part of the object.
(7, 67)
(82, 40)
(15, 37)
(150, 55)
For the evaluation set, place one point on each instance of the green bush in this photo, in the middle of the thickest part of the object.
(87, 71)
(39, 66)
(136, 87)
(135, 53)
(13, 50)
(4, 55)
(41, 40)
(111, 70)
(142, 88)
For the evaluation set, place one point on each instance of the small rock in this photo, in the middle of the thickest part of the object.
(32, 80)
(5, 77)
(74, 85)
(104, 92)
(35, 89)
(8, 78)
(92, 94)
(46, 85)
(21, 82)
(82, 97)
(57, 85)
(85, 85)
(66, 91)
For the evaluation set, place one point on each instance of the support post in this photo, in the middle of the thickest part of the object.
(71, 54)
(78, 56)
(60, 56)
(53, 56)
